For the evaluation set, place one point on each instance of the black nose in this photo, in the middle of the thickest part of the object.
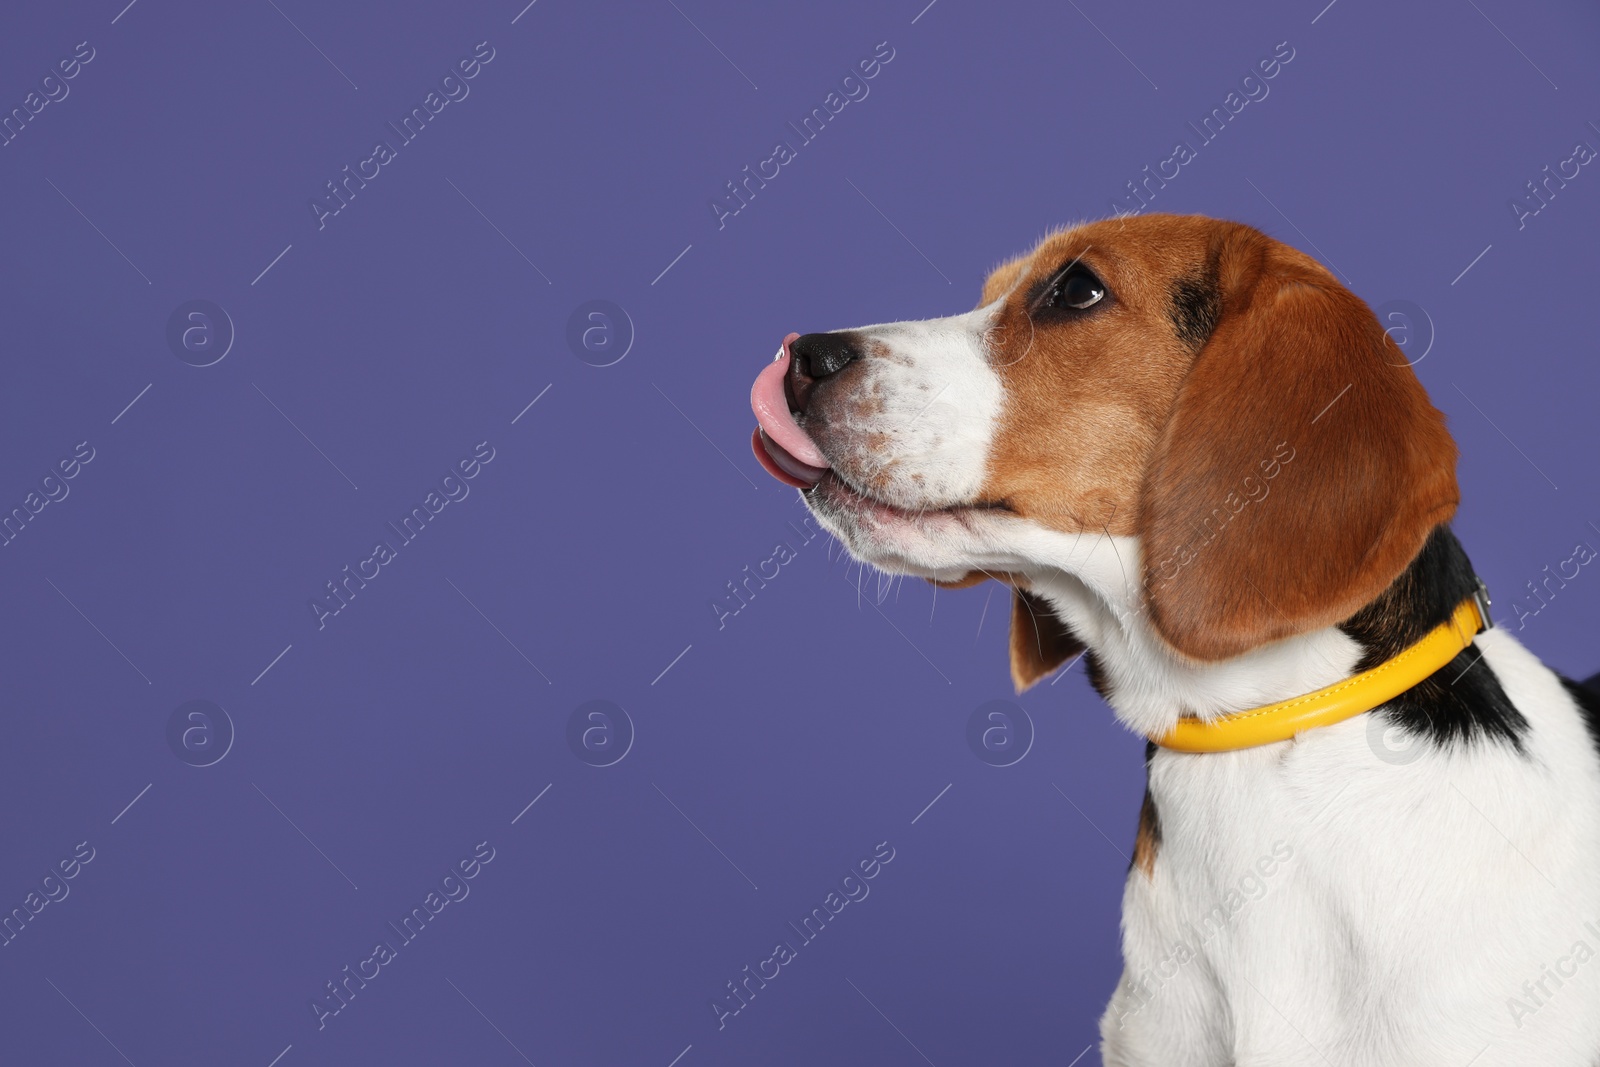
(815, 356)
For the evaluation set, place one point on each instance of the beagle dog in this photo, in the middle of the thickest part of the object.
(1371, 830)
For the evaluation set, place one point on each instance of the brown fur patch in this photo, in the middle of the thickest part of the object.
(1088, 393)
(1296, 361)
(1148, 840)
(1146, 413)
(1039, 642)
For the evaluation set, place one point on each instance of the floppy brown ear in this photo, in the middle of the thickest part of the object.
(1039, 642)
(1302, 468)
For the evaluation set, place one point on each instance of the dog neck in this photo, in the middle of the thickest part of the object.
(1096, 593)
(1148, 683)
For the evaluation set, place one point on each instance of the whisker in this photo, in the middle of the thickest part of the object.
(1113, 541)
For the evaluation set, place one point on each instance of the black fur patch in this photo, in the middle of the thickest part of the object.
(1096, 673)
(1196, 305)
(1461, 703)
(1586, 695)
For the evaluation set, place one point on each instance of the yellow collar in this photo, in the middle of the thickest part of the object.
(1342, 700)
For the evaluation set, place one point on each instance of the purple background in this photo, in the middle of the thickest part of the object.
(824, 716)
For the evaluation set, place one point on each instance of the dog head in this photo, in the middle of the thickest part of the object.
(1187, 386)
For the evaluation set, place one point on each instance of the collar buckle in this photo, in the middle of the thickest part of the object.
(1480, 596)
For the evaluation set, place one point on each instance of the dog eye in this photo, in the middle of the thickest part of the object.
(1077, 289)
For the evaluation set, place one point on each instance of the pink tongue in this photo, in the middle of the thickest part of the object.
(782, 466)
(771, 407)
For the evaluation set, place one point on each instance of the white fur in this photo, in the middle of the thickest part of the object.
(933, 393)
(1407, 901)
(1373, 910)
